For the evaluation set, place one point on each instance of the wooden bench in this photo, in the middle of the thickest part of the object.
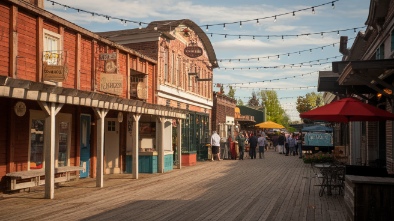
(30, 178)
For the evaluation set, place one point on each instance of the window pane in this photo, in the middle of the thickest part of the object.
(36, 144)
(63, 144)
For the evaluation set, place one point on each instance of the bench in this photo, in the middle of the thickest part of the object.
(31, 178)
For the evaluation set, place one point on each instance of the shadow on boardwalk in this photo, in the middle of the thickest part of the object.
(275, 188)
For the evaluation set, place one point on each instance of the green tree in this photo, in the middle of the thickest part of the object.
(240, 102)
(309, 101)
(231, 92)
(253, 101)
(274, 112)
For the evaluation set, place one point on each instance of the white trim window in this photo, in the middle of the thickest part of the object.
(52, 48)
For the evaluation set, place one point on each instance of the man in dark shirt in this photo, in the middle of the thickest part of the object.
(253, 146)
(281, 143)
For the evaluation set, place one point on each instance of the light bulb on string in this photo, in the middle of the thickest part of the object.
(206, 28)
(322, 34)
(125, 23)
(355, 31)
(65, 8)
(240, 24)
(239, 38)
(338, 33)
(53, 3)
(139, 26)
(293, 13)
(253, 38)
(257, 21)
(333, 5)
(313, 10)
(275, 18)
(225, 36)
(224, 26)
(283, 38)
(278, 57)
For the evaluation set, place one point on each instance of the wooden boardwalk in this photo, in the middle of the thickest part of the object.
(275, 188)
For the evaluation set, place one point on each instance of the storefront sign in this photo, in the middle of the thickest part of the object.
(193, 51)
(111, 83)
(54, 72)
(106, 56)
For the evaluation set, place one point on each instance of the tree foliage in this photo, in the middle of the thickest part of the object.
(274, 112)
(231, 92)
(309, 102)
(240, 102)
(253, 101)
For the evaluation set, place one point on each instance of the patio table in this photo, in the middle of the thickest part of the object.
(332, 176)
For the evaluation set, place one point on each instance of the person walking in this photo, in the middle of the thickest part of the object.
(292, 145)
(281, 143)
(253, 146)
(215, 144)
(261, 142)
(275, 142)
(241, 145)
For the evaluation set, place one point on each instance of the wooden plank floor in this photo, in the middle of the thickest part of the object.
(275, 188)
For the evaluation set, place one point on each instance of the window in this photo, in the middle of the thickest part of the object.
(36, 143)
(111, 126)
(165, 65)
(173, 68)
(63, 139)
(52, 48)
(392, 40)
(380, 52)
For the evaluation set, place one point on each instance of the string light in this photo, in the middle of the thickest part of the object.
(240, 24)
(313, 10)
(224, 26)
(206, 28)
(139, 27)
(255, 19)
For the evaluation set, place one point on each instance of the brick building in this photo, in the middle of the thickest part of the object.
(185, 62)
(223, 115)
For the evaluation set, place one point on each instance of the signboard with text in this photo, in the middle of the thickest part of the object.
(54, 72)
(111, 83)
(193, 51)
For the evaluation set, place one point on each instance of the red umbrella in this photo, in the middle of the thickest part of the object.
(347, 109)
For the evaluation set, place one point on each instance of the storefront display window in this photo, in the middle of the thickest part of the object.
(36, 143)
(195, 132)
(63, 144)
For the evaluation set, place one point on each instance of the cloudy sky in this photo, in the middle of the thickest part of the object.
(309, 44)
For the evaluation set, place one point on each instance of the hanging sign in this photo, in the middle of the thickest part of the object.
(54, 72)
(106, 56)
(193, 51)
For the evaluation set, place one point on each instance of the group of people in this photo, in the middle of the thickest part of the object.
(287, 145)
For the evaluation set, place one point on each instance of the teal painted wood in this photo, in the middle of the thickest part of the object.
(168, 162)
(146, 164)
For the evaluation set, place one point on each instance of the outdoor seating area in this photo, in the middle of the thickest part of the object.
(331, 178)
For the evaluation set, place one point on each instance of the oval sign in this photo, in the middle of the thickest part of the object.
(193, 51)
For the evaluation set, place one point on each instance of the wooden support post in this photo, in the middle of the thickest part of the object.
(51, 109)
(160, 169)
(136, 118)
(179, 143)
(101, 113)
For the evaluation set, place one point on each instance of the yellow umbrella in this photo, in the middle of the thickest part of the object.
(270, 125)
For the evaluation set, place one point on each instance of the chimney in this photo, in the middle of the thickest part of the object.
(343, 45)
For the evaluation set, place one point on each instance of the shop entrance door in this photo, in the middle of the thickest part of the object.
(85, 145)
(111, 146)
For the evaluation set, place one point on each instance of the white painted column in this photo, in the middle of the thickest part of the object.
(49, 146)
(100, 113)
(179, 143)
(160, 151)
(135, 143)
